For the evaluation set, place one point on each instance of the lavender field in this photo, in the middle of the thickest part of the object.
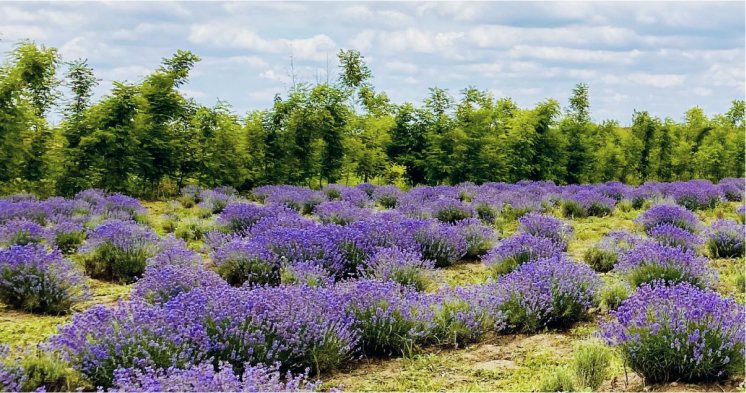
(499, 287)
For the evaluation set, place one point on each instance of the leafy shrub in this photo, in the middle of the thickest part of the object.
(699, 334)
(653, 261)
(118, 250)
(591, 361)
(35, 280)
(403, 267)
(669, 214)
(613, 293)
(518, 250)
(190, 229)
(725, 239)
(552, 291)
(741, 212)
(559, 380)
(605, 254)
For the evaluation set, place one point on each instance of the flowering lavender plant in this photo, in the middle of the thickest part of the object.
(695, 194)
(215, 201)
(605, 254)
(67, 236)
(122, 207)
(668, 214)
(587, 203)
(451, 210)
(388, 196)
(725, 239)
(368, 188)
(463, 315)
(404, 267)
(163, 283)
(118, 250)
(653, 261)
(247, 260)
(340, 213)
(440, 243)
(35, 280)
(204, 377)
(517, 250)
(741, 212)
(21, 232)
(479, 238)
(673, 236)
(300, 199)
(699, 334)
(309, 274)
(12, 375)
(733, 189)
(552, 291)
(241, 217)
(545, 226)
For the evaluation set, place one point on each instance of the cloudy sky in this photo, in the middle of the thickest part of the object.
(662, 57)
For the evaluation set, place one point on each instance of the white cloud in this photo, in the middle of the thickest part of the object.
(314, 48)
(233, 62)
(193, 93)
(572, 54)
(128, 73)
(19, 32)
(89, 47)
(657, 80)
(400, 66)
(702, 91)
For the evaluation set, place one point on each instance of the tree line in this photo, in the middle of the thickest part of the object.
(148, 139)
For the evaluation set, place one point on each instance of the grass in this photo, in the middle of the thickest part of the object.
(501, 363)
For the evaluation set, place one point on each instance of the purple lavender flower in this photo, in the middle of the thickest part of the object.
(21, 232)
(552, 291)
(121, 207)
(67, 236)
(241, 217)
(92, 196)
(215, 201)
(725, 239)
(440, 243)
(388, 196)
(355, 196)
(28, 210)
(587, 202)
(695, 194)
(518, 250)
(12, 374)
(700, 334)
(368, 188)
(118, 250)
(479, 238)
(669, 214)
(733, 189)
(176, 254)
(300, 199)
(247, 260)
(161, 284)
(35, 280)
(450, 210)
(464, 315)
(340, 213)
(204, 378)
(674, 236)
(741, 212)
(549, 227)
(605, 254)
(309, 274)
(404, 267)
(652, 261)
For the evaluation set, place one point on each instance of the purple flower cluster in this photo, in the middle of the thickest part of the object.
(669, 214)
(541, 225)
(21, 232)
(300, 199)
(442, 244)
(241, 217)
(450, 210)
(553, 291)
(35, 280)
(388, 196)
(741, 212)
(479, 238)
(205, 378)
(67, 236)
(517, 250)
(733, 189)
(725, 239)
(340, 213)
(695, 194)
(12, 375)
(699, 334)
(118, 250)
(653, 261)
(216, 200)
(673, 236)
(247, 260)
(588, 202)
(404, 267)
(605, 254)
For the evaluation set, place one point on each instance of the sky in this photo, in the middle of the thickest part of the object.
(662, 57)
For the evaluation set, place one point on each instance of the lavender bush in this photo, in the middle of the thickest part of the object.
(440, 243)
(205, 378)
(668, 214)
(451, 210)
(725, 239)
(548, 292)
(403, 267)
(163, 283)
(464, 315)
(479, 238)
(388, 196)
(603, 255)
(118, 250)
(548, 227)
(35, 280)
(695, 194)
(340, 213)
(652, 261)
(518, 250)
(673, 236)
(246, 260)
(21, 232)
(699, 334)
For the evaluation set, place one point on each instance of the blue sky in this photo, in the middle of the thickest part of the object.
(663, 57)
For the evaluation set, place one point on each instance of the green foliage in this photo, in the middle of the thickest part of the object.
(600, 260)
(613, 293)
(147, 139)
(560, 380)
(591, 361)
(49, 371)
